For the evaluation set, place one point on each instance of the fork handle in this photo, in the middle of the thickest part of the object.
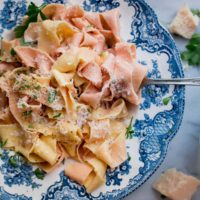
(175, 81)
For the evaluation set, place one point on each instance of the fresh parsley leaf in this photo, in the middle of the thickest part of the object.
(129, 157)
(32, 14)
(15, 160)
(3, 143)
(89, 26)
(27, 113)
(192, 52)
(52, 96)
(43, 16)
(37, 87)
(39, 173)
(166, 100)
(12, 52)
(196, 12)
(34, 96)
(30, 126)
(129, 130)
(57, 115)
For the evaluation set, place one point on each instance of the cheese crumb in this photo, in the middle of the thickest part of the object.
(185, 23)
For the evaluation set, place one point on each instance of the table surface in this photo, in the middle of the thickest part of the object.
(183, 150)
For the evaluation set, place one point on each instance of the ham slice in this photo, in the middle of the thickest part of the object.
(89, 40)
(94, 19)
(92, 72)
(32, 57)
(5, 66)
(110, 19)
(176, 185)
(76, 39)
(74, 12)
(80, 23)
(91, 96)
(55, 11)
(32, 32)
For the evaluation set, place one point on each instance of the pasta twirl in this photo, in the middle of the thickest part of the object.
(67, 93)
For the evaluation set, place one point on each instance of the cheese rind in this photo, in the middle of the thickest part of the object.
(176, 185)
(185, 23)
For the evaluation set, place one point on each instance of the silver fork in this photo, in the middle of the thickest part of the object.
(170, 81)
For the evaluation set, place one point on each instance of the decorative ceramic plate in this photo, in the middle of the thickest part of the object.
(157, 122)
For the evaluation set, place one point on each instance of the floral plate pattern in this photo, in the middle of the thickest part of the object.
(156, 123)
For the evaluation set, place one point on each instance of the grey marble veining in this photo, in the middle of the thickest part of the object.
(183, 150)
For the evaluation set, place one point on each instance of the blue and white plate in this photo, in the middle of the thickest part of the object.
(157, 122)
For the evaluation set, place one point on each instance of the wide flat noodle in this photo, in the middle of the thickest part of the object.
(20, 141)
(113, 152)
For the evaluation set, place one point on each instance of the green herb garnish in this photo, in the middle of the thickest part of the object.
(15, 160)
(34, 96)
(1, 50)
(12, 52)
(27, 113)
(32, 14)
(129, 130)
(37, 87)
(23, 106)
(129, 157)
(52, 96)
(196, 12)
(166, 100)
(192, 53)
(39, 173)
(89, 26)
(57, 115)
(3, 143)
(30, 126)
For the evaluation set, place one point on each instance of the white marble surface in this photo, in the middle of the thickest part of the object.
(183, 150)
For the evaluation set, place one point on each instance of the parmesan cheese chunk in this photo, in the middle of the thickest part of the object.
(185, 23)
(176, 185)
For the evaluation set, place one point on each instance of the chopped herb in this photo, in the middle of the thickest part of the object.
(23, 106)
(163, 196)
(196, 12)
(34, 96)
(129, 130)
(3, 143)
(166, 100)
(52, 96)
(191, 54)
(32, 14)
(89, 26)
(12, 52)
(23, 43)
(37, 87)
(39, 173)
(25, 87)
(1, 51)
(27, 113)
(30, 126)
(15, 160)
(129, 157)
(57, 115)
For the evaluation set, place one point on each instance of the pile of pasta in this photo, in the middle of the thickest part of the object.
(65, 92)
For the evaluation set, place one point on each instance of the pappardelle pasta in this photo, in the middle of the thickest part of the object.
(66, 88)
